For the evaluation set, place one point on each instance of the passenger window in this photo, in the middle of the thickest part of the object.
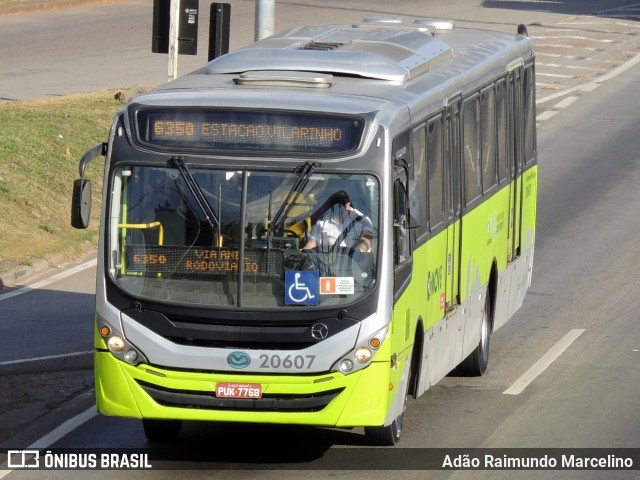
(488, 132)
(436, 171)
(402, 250)
(471, 149)
(502, 144)
(529, 115)
(420, 175)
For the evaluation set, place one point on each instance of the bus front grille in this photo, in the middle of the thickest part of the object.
(268, 403)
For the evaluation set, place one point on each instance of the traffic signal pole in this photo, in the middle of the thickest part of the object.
(174, 26)
(265, 18)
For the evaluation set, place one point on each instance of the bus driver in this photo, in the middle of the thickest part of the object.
(341, 226)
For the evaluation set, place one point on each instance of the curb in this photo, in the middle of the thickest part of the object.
(17, 274)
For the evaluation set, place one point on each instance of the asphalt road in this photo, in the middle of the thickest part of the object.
(66, 51)
(584, 281)
(46, 363)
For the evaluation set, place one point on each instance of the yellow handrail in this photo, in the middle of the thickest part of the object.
(146, 225)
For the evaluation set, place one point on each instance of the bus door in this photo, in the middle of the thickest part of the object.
(516, 122)
(453, 203)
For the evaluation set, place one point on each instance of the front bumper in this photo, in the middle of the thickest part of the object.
(331, 399)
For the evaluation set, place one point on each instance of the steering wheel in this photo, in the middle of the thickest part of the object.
(355, 245)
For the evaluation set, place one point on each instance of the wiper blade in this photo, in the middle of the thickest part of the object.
(196, 191)
(296, 190)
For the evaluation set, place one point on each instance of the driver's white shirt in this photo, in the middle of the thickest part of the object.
(327, 231)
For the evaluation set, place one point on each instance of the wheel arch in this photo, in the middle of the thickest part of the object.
(416, 357)
(492, 292)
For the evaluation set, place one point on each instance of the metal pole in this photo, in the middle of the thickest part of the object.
(265, 18)
(219, 25)
(174, 26)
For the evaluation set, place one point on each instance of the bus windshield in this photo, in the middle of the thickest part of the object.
(189, 235)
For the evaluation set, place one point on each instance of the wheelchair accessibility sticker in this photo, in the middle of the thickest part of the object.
(301, 287)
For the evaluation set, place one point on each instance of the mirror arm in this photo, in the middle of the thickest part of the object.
(93, 153)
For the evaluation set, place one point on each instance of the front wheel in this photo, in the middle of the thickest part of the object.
(389, 435)
(385, 436)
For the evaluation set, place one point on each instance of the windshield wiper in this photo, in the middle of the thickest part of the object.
(196, 191)
(301, 182)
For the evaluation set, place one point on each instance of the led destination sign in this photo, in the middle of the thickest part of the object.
(199, 260)
(244, 130)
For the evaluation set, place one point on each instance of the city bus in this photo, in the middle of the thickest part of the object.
(314, 228)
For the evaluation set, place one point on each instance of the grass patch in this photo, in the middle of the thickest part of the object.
(41, 143)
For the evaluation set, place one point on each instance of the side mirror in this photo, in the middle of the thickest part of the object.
(81, 203)
(81, 197)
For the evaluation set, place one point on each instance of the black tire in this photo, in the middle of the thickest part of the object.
(161, 430)
(386, 436)
(475, 365)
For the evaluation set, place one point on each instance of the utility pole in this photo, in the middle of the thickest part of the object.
(265, 14)
(174, 26)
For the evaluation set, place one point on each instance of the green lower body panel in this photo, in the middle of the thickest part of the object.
(332, 399)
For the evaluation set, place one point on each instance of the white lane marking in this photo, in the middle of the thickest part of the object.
(570, 67)
(546, 115)
(50, 280)
(572, 37)
(566, 102)
(591, 87)
(607, 76)
(542, 364)
(64, 429)
(48, 357)
(554, 75)
(544, 45)
(599, 23)
(53, 436)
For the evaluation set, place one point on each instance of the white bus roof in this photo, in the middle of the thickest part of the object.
(382, 59)
(395, 52)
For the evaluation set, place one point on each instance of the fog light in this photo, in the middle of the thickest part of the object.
(131, 356)
(116, 344)
(346, 366)
(362, 355)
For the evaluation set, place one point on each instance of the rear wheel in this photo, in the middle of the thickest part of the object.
(476, 363)
(161, 430)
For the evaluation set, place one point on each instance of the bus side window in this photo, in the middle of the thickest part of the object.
(401, 149)
(529, 92)
(488, 137)
(471, 149)
(421, 176)
(502, 131)
(436, 172)
(401, 232)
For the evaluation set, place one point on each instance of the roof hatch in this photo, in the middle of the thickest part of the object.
(378, 48)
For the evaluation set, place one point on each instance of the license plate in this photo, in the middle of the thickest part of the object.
(238, 390)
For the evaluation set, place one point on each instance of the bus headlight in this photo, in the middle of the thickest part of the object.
(116, 344)
(131, 356)
(346, 366)
(362, 354)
